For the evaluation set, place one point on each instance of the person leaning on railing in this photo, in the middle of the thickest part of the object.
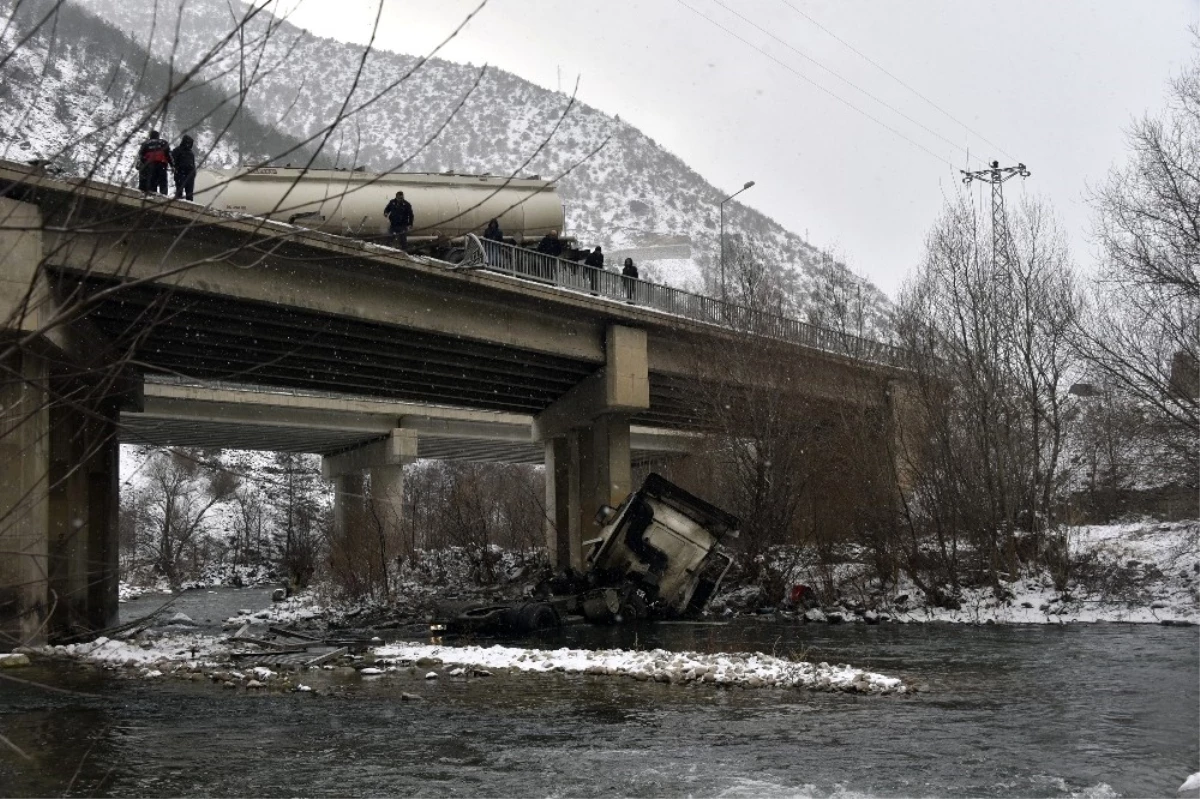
(629, 276)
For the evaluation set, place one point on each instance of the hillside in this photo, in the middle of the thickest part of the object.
(631, 195)
(79, 92)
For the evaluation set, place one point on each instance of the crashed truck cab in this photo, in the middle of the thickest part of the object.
(658, 555)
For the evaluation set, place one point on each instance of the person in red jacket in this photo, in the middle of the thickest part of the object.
(154, 158)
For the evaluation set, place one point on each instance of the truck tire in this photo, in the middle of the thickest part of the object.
(534, 616)
(633, 608)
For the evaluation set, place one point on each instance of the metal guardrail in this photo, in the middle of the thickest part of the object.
(496, 256)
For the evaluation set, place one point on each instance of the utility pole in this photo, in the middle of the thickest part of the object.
(996, 175)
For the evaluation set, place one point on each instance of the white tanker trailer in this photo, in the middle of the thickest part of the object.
(347, 203)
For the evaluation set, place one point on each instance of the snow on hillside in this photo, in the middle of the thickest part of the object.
(81, 94)
(631, 194)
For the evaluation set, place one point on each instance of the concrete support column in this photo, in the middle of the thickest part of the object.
(24, 499)
(104, 516)
(384, 460)
(348, 490)
(387, 503)
(604, 470)
(563, 538)
(83, 519)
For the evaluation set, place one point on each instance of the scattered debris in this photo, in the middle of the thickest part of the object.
(288, 649)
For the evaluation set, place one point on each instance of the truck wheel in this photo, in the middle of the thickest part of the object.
(633, 608)
(534, 616)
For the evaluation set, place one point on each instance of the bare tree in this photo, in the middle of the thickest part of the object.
(297, 513)
(988, 332)
(777, 455)
(175, 503)
(1142, 336)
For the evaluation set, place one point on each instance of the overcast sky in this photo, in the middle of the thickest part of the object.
(745, 90)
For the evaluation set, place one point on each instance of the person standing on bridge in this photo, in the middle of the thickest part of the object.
(154, 156)
(629, 275)
(595, 260)
(399, 212)
(551, 244)
(493, 232)
(183, 158)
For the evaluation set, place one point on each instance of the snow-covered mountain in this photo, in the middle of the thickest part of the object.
(76, 90)
(631, 195)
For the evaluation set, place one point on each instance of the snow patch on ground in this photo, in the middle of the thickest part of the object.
(190, 651)
(1137, 572)
(1142, 572)
(750, 670)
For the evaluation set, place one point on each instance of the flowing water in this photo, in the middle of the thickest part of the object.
(1084, 710)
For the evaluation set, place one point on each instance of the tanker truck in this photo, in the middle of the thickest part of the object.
(446, 207)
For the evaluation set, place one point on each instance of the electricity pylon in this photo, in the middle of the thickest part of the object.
(996, 175)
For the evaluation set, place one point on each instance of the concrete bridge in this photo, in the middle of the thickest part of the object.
(101, 287)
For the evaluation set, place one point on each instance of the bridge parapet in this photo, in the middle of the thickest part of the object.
(496, 256)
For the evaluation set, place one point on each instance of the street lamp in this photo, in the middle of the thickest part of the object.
(749, 183)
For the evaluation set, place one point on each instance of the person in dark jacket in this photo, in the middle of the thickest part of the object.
(595, 260)
(399, 212)
(184, 160)
(493, 232)
(551, 244)
(154, 157)
(629, 277)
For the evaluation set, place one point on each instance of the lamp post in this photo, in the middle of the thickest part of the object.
(749, 183)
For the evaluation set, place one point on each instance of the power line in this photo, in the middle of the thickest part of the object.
(885, 71)
(807, 79)
(843, 79)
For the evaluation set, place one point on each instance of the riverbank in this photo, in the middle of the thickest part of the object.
(1135, 573)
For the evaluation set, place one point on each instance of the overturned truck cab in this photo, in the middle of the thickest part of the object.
(658, 555)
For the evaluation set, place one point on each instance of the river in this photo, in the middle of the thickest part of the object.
(1082, 710)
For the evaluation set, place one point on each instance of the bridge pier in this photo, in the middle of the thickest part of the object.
(59, 405)
(586, 433)
(24, 499)
(349, 495)
(386, 500)
(58, 504)
(354, 508)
